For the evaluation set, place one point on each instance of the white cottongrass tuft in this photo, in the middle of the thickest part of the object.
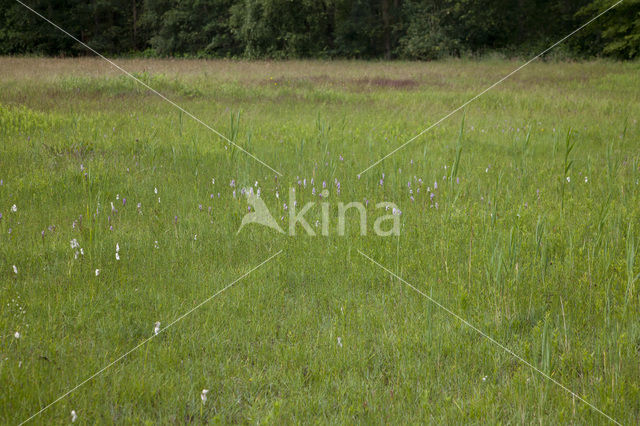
(74, 416)
(203, 395)
(15, 269)
(75, 245)
(17, 335)
(97, 272)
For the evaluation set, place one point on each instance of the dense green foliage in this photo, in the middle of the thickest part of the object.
(414, 29)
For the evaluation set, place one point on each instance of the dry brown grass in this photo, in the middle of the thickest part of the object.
(391, 75)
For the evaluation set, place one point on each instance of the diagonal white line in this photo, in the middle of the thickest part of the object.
(154, 90)
(489, 338)
(489, 88)
(97, 373)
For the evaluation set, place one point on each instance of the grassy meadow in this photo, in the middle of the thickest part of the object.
(520, 214)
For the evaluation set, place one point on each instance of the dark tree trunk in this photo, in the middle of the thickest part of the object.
(386, 29)
(135, 25)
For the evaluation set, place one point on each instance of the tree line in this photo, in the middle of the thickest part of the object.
(403, 29)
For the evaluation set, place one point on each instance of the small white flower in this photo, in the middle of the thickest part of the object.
(14, 208)
(484, 379)
(117, 256)
(568, 179)
(156, 329)
(74, 243)
(195, 237)
(17, 335)
(586, 179)
(74, 416)
(203, 395)
(15, 269)
(97, 272)
(339, 342)
(155, 190)
(213, 181)
(117, 247)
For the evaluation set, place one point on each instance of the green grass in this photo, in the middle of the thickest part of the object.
(536, 245)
